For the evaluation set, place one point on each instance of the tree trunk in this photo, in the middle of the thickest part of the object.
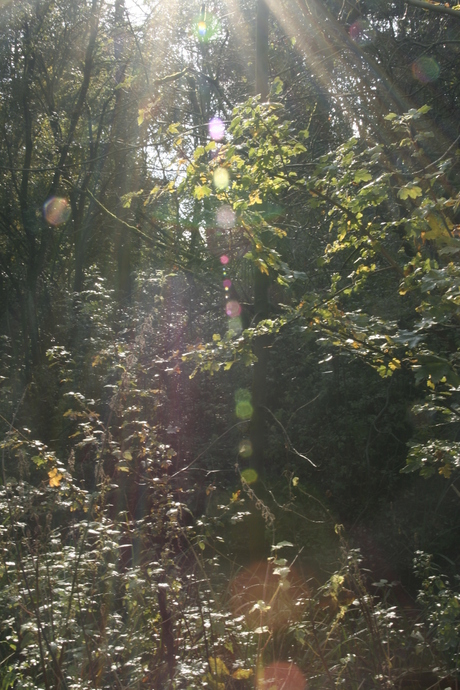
(261, 280)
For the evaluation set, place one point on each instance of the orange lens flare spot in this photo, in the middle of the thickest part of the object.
(281, 676)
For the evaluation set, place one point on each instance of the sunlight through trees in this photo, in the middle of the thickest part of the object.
(229, 336)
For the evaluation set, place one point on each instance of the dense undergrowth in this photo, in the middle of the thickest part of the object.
(127, 563)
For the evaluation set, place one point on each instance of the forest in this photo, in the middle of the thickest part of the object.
(229, 344)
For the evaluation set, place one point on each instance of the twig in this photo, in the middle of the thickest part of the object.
(184, 469)
(286, 436)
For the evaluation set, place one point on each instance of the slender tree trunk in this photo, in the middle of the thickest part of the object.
(261, 280)
(255, 524)
(122, 138)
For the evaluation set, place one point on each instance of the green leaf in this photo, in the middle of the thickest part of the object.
(410, 191)
(174, 128)
(362, 176)
(201, 191)
(424, 109)
(277, 86)
(281, 545)
(199, 151)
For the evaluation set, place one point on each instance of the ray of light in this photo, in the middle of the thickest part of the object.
(306, 21)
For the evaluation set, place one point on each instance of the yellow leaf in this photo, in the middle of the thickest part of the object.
(218, 668)
(55, 477)
(242, 673)
(254, 199)
(445, 471)
(140, 119)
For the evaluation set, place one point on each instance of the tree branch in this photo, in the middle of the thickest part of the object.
(441, 9)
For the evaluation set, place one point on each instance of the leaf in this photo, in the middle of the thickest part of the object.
(362, 176)
(277, 86)
(281, 545)
(445, 471)
(242, 673)
(140, 118)
(409, 191)
(390, 116)
(127, 455)
(218, 668)
(55, 477)
(201, 191)
(174, 128)
(424, 109)
(199, 151)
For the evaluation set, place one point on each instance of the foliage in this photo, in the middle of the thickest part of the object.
(134, 242)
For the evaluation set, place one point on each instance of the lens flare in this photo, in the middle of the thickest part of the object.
(235, 325)
(243, 407)
(284, 594)
(250, 476)
(224, 259)
(281, 676)
(221, 178)
(216, 129)
(225, 217)
(233, 308)
(56, 210)
(206, 27)
(227, 284)
(361, 32)
(425, 69)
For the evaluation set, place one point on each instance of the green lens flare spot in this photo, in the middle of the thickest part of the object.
(244, 409)
(250, 476)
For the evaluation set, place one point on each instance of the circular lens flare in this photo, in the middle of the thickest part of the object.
(56, 210)
(244, 409)
(224, 259)
(281, 676)
(216, 129)
(221, 178)
(250, 476)
(225, 217)
(235, 325)
(202, 29)
(227, 284)
(232, 308)
(425, 69)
